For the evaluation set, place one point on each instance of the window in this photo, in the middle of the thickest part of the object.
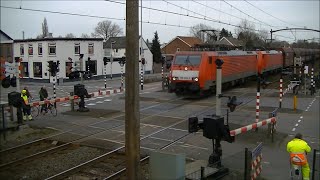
(24, 69)
(90, 48)
(37, 69)
(40, 49)
(116, 50)
(30, 50)
(21, 49)
(52, 49)
(178, 49)
(187, 60)
(77, 48)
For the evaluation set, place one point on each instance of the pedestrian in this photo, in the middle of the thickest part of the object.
(298, 150)
(43, 96)
(26, 108)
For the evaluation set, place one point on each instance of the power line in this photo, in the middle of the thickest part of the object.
(122, 19)
(228, 13)
(269, 14)
(249, 15)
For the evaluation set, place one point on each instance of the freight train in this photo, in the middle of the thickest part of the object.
(193, 73)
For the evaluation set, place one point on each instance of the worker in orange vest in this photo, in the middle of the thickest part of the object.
(298, 150)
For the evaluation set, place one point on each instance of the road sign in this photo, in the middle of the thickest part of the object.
(256, 151)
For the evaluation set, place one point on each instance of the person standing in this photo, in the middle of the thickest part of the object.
(298, 150)
(43, 96)
(26, 108)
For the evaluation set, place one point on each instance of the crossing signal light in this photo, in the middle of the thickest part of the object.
(163, 60)
(143, 61)
(233, 103)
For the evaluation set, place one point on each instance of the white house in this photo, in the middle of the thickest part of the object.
(116, 46)
(36, 53)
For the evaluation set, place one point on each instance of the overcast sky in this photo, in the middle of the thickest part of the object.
(291, 13)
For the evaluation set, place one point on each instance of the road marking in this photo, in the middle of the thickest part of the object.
(306, 110)
(66, 105)
(301, 117)
(293, 129)
(99, 102)
(297, 125)
(91, 104)
(299, 121)
(312, 142)
(99, 97)
(107, 100)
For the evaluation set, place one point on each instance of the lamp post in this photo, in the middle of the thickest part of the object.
(111, 60)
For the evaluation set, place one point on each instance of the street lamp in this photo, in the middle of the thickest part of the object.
(112, 42)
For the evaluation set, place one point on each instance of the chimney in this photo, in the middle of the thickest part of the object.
(22, 34)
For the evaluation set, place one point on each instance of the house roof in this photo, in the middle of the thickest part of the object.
(190, 41)
(231, 41)
(119, 43)
(59, 39)
(5, 35)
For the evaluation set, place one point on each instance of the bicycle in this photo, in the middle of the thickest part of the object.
(49, 107)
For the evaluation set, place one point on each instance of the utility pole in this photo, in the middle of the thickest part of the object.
(141, 48)
(132, 106)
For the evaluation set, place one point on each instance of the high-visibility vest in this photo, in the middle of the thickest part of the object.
(25, 99)
(298, 159)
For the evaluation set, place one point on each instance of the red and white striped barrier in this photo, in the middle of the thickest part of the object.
(256, 162)
(93, 94)
(256, 173)
(106, 92)
(252, 126)
(38, 103)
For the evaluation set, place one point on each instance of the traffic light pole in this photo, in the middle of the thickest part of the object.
(81, 67)
(105, 76)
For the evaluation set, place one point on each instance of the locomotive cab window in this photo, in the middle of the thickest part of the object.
(187, 60)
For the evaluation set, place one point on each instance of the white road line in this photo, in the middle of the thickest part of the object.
(107, 100)
(293, 129)
(297, 125)
(99, 97)
(301, 117)
(91, 104)
(299, 121)
(99, 102)
(306, 110)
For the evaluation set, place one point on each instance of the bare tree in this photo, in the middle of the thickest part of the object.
(246, 33)
(70, 35)
(106, 29)
(83, 35)
(197, 31)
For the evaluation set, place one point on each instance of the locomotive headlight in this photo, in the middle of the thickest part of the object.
(196, 79)
(186, 68)
(174, 78)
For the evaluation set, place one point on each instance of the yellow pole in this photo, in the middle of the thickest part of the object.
(295, 103)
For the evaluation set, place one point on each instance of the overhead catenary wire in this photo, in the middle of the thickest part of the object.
(270, 14)
(210, 7)
(149, 22)
(248, 14)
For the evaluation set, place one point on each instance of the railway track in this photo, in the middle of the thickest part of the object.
(44, 148)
